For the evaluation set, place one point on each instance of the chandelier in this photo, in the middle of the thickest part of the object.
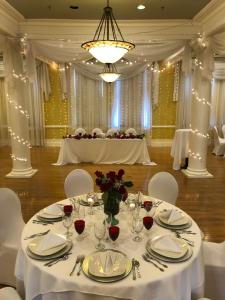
(109, 73)
(108, 45)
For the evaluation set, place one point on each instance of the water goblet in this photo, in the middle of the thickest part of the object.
(67, 209)
(67, 222)
(148, 222)
(108, 222)
(79, 226)
(114, 232)
(147, 206)
(91, 198)
(99, 230)
(137, 226)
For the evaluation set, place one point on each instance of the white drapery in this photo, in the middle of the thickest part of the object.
(217, 116)
(4, 138)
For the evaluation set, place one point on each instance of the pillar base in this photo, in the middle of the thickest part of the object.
(21, 173)
(197, 173)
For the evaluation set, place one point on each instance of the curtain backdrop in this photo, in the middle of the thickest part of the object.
(217, 116)
(4, 138)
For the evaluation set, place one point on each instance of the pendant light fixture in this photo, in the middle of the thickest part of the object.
(109, 73)
(108, 45)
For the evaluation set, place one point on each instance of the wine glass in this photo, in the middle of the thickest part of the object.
(108, 222)
(114, 232)
(67, 209)
(76, 206)
(67, 222)
(137, 226)
(147, 206)
(148, 222)
(99, 229)
(91, 198)
(79, 226)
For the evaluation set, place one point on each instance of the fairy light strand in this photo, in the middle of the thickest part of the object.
(17, 106)
(201, 100)
(16, 158)
(18, 138)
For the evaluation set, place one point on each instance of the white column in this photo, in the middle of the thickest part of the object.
(16, 94)
(200, 111)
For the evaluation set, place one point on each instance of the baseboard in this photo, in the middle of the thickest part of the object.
(53, 142)
(161, 142)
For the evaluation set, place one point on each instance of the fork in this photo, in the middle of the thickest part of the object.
(62, 258)
(77, 261)
(81, 262)
(37, 234)
(191, 243)
(150, 261)
(157, 260)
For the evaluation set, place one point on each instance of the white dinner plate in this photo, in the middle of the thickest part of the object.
(172, 260)
(164, 219)
(33, 246)
(170, 226)
(65, 250)
(181, 244)
(46, 215)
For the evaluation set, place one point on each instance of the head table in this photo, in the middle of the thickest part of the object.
(104, 151)
(180, 281)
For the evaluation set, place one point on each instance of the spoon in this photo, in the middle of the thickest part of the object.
(137, 265)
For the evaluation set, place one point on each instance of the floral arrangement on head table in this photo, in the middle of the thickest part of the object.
(113, 183)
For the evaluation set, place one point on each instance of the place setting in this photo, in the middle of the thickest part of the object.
(50, 214)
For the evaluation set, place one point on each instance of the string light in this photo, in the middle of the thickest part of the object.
(17, 106)
(195, 155)
(198, 63)
(18, 158)
(20, 76)
(18, 138)
(201, 100)
(197, 132)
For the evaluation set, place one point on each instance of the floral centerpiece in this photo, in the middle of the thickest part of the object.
(113, 187)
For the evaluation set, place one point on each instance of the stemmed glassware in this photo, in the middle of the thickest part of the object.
(114, 232)
(91, 198)
(67, 219)
(148, 222)
(76, 206)
(147, 206)
(99, 230)
(137, 227)
(79, 226)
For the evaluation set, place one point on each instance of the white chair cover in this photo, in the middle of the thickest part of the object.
(223, 130)
(219, 143)
(130, 131)
(78, 182)
(78, 131)
(9, 293)
(111, 131)
(11, 226)
(163, 186)
(214, 259)
(97, 131)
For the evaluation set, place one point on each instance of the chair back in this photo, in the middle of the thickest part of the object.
(78, 182)
(223, 131)
(130, 131)
(79, 131)
(163, 186)
(214, 261)
(9, 293)
(11, 220)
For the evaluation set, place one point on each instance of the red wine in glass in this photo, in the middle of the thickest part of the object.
(148, 222)
(148, 206)
(79, 226)
(114, 232)
(67, 209)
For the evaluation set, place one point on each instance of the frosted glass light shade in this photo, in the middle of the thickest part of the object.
(109, 77)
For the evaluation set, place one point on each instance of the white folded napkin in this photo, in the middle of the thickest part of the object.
(166, 243)
(53, 210)
(51, 240)
(174, 216)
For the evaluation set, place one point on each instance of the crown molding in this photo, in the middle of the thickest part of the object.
(9, 18)
(211, 17)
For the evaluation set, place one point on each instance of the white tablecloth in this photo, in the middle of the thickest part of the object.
(181, 281)
(180, 147)
(104, 151)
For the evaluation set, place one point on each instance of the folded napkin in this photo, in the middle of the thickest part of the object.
(174, 216)
(107, 264)
(53, 210)
(51, 240)
(167, 243)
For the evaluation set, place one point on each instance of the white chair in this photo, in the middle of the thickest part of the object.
(9, 293)
(214, 260)
(223, 131)
(11, 226)
(219, 143)
(78, 182)
(79, 131)
(112, 131)
(163, 186)
(130, 131)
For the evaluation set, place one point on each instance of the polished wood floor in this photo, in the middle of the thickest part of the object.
(203, 199)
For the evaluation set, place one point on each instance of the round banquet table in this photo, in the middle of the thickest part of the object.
(180, 281)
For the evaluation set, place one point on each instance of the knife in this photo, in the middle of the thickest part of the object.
(133, 269)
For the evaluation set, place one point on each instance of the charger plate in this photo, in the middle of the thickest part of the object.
(85, 203)
(172, 260)
(182, 221)
(63, 251)
(46, 219)
(34, 244)
(151, 245)
(86, 262)
(160, 223)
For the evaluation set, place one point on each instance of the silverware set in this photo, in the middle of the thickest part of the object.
(136, 269)
(78, 260)
(63, 257)
(36, 234)
(189, 242)
(42, 222)
(81, 263)
(150, 260)
(181, 231)
(157, 203)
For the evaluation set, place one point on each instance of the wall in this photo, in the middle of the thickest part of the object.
(56, 110)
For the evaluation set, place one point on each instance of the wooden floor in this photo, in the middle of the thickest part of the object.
(203, 199)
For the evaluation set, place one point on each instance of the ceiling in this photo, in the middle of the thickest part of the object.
(92, 9)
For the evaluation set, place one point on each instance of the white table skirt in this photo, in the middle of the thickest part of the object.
(104, 151)
(180, 147)
(179, 282)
